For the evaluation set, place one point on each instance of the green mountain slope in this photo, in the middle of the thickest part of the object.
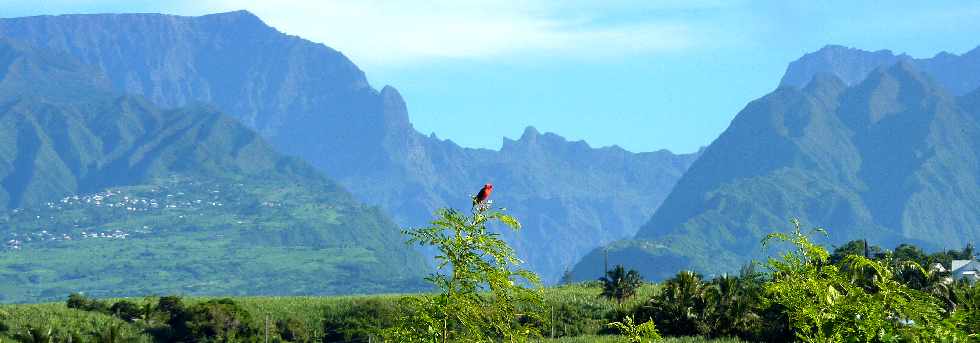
(891, 159)
(189, 200)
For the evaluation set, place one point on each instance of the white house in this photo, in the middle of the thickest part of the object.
(968, 269)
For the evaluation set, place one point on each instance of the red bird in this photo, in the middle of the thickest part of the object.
(484, 193)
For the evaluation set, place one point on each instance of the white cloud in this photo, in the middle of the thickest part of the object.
(398, 33)
(385, 33)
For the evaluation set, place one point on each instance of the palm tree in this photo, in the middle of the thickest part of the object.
(680, 305)
(620, 284)
(730, 306)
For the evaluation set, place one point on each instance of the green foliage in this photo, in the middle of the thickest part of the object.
(860, 302)
(966, 297)
(481, 295)
(218, 320)
(360, 319)
(58, 323)
(620, 284)
(81, 302)
(643, 333)
(727, 306)
(855, 247)
(620, 339)
(681, 306)
(734, 304)
(126, 310)
(579, 309)
(293, 330)
(111, 334)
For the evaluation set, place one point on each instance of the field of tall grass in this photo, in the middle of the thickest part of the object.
(577, 312)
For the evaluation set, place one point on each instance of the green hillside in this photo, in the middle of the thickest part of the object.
(110, 195)
(892, 159)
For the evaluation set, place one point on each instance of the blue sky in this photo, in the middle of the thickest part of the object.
(644, 75)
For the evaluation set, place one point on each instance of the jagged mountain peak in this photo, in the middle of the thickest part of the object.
(532, 139)
(838, 51)
(530, 132)
(848, 64)
(959, 74)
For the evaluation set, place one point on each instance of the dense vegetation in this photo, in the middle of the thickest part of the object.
(853, 293)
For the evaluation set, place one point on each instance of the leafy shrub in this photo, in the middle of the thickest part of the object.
(967, 298)
(81, 302)
(860, 300)
(645, 332)
(221, 320)
(359, 320)
(175, 314)
(125, 310)
(292, 330)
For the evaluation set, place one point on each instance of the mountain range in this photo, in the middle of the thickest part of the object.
(194, 112)
(871, 146)
(108, 194)
(311, 102)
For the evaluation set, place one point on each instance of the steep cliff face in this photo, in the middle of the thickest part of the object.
(310, 101)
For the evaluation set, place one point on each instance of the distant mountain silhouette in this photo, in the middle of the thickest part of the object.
(310, 101)
(959, 74)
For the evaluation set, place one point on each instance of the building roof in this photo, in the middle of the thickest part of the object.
(966, 268)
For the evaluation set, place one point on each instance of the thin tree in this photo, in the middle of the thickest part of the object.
(482, 293)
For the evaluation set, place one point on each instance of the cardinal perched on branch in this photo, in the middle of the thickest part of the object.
(481, 197)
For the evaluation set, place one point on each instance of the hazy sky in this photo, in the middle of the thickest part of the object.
(643, 75)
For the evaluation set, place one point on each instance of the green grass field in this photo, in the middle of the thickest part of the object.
(310, 311)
